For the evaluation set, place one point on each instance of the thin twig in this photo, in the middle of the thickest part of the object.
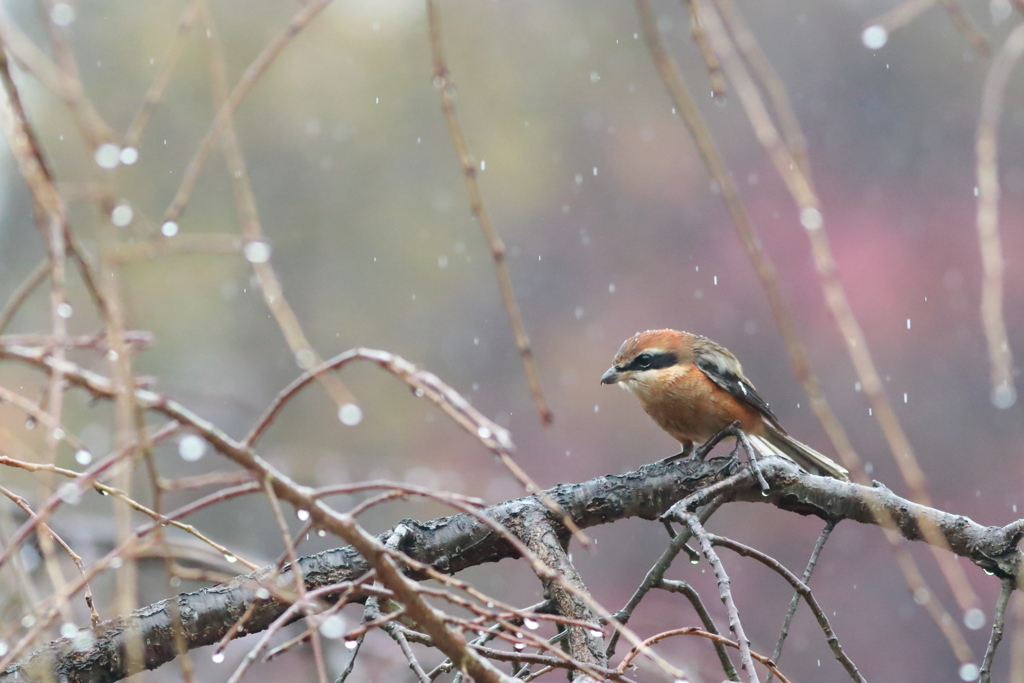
(795, 600)
(998, 624)
(245, 84)
(1000, 355)
(425, 385)
(724, 592)
(805, 592)
(22, 292)
(810, 216)
(714, 637)
(443, 82)
(270, 285)
(714, 67)
(709, 623)
(163, 76)
(656, 574)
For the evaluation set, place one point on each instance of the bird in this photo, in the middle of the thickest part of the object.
(694, 388)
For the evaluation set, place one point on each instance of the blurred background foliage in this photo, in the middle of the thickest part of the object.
(612, 226)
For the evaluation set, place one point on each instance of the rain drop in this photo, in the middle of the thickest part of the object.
(974, 618)
(122, 215)
(191, 448)
(218, 657)
(531, 624)
(129, 155)
(68, 630)
(256, 252)
(350, 414)
(169, 229)
(64, 310)
(262, 593)
(594, 77)
(483, 433)
(303, 515)
(83, 457)
(811, 218)
(62, 14)
(107, 156)
(305, 358)
(969, 672)
(333, 627)
(230, 559)
(351, 644)
(874, 37)
(70, 494)
(1004, 396)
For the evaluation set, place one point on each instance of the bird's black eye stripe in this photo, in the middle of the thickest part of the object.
(652, 361)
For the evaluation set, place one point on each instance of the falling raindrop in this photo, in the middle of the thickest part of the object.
(350, 414)
(62, 14)
(107, 156)
(70, 494)
(191, 448)
(122, 215)
(1004, 396)
(874, 37)
(969, 672)
(974, 618)
(256, 252)
(333, 627)
(811, 218)
(129, 155)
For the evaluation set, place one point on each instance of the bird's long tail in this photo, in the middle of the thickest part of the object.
(777, 443)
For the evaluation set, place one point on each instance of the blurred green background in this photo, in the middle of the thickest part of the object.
(612, 226)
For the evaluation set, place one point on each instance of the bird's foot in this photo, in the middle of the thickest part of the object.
(681, 455)
(731, 429)
(742, 441)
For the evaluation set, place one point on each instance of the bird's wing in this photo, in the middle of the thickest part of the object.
(724, 369)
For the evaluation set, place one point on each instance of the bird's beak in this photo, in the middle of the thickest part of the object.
(611, 376)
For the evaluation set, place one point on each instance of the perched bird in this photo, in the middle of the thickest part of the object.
(694, 388)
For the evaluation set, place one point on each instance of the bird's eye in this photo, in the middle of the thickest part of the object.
(644, 360)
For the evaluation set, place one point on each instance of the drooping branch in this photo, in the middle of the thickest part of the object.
(451, 544)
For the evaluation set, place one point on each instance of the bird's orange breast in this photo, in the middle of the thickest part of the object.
(687, 404)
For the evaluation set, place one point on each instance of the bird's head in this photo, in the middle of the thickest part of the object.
(648, 357)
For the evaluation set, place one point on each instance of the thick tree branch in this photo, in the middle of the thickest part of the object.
(451, 544)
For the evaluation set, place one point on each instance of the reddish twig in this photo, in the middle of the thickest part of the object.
(443, 82)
